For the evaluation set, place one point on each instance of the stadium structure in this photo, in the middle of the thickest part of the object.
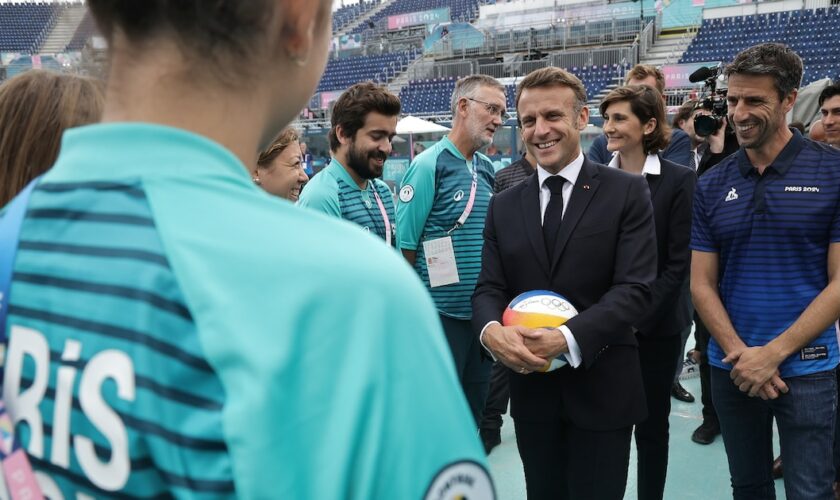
(419, 48)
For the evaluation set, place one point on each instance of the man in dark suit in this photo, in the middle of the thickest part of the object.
(586, 232)
(498, 394)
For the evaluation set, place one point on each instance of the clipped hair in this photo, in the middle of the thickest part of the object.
(286, 137)
(771, 59)
(552, 77)
(468, 87)
(642, 71)
(645, 103)
(351, 109)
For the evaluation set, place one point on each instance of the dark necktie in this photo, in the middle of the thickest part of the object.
(692, 161)
(553, 212)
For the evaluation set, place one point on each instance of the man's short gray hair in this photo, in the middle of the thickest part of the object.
(772, 59)
(468, 87)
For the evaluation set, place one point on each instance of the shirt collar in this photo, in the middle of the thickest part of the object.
(782, 162)
(570, 172)
(118, 151)
(452, 148)
(651, 167)
(343, 174)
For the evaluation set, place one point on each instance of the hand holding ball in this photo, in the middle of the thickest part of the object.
(540, 309)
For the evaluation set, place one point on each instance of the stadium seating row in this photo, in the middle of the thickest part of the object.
(811, 33)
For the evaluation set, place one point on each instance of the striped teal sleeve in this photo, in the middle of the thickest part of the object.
(321, 194)
(414, 202)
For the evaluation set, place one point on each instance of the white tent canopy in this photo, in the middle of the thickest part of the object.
(414, 125)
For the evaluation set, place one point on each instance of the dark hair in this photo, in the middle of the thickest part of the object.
(684, 113)
(798, 126)
(552, 77)
(351, 109)
(284, 139)
(36, 107)
(829, 92)
(645, 103)
(772, 59)
(227, 30)
(642, 71)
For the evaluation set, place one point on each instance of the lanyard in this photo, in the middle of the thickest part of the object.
(470, 202)
(19, 479)
(385, 217)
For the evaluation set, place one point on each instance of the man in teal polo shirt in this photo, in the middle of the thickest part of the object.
(442, 205)
(364, 120)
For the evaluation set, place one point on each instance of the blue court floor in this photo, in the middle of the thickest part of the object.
(694, 471)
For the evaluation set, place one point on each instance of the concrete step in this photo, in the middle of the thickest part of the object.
(65, 27)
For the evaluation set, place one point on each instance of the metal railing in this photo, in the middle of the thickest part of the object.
(555, 37)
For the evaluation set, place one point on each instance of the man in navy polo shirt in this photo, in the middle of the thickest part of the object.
(765, 279)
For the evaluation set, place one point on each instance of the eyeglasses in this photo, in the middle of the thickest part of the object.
(493, 109)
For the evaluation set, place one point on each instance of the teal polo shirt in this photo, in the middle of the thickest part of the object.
(433, 195)
(335, 193)
(176, 331)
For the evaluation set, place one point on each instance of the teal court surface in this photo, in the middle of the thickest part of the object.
(694, 471)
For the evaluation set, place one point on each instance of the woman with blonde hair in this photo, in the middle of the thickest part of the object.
(36, 107)
(279, 169)
(636, 131)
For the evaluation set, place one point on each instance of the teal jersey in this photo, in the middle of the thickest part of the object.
(433, 195)
(335, 193)
(174, 331)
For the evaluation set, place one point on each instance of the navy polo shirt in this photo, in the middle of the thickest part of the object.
(772, 234)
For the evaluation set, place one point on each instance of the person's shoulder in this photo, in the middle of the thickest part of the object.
(679, 172)
(511, 169)
(428, 158)
(610, 173)
(719, 173)
(827, 152)
(678, 134)
(381, 187)
(326, 178)
(319, 189)
(513, 192)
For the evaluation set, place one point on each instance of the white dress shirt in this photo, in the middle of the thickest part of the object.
(651, 167)
(570, 172)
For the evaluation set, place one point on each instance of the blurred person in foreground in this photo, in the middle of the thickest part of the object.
(168, 338)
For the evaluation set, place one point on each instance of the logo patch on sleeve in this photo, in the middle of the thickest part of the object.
(465, 480)
(406, 193)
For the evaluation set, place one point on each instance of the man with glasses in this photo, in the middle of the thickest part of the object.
(442, 204)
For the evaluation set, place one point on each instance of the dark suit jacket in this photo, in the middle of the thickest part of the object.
(604, 257)
(672, 192)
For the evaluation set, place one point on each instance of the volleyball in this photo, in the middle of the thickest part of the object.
(540, 309)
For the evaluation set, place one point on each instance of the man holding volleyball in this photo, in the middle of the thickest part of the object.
(586, 232)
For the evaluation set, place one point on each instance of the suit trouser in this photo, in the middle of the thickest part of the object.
(657, 355)
(565, 462)
(498, 396)
(471, 365)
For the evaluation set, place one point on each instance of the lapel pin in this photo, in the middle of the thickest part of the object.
(586, 186)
